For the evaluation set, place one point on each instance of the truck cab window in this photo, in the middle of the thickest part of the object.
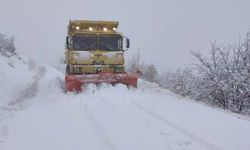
(109, 42)
(84, 42)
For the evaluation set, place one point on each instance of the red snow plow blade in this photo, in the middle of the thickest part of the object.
(75, 82)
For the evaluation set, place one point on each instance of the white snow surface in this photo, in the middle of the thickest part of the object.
(106, 117)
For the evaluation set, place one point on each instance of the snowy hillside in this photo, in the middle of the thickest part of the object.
(15, 77)
(35, 113)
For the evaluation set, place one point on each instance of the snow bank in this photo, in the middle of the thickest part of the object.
(15, 77)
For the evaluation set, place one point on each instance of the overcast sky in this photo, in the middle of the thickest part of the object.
(165, 30)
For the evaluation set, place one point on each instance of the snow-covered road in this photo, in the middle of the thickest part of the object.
(117, 118)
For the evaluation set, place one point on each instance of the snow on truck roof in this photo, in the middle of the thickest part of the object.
(76, 26)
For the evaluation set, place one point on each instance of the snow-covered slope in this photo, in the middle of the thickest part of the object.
(15, 77)
(111, 118)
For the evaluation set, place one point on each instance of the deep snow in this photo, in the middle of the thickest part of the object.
(106, 117)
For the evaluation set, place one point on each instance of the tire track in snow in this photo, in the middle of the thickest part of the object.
(110, 104)
(97, 131)
(168, 123)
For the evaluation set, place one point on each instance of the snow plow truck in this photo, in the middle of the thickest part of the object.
(95, 54)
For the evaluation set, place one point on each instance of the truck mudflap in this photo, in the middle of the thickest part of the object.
(75, 82)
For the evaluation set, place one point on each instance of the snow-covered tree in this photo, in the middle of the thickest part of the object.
(181, 82)
(222, 78)
(7, 46)
(132, 64)
(150, 73)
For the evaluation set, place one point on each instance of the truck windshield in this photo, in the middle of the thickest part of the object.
(84, 42)
(109, 42)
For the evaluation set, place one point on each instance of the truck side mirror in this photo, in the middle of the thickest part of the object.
(67, 42)
(127, 43)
